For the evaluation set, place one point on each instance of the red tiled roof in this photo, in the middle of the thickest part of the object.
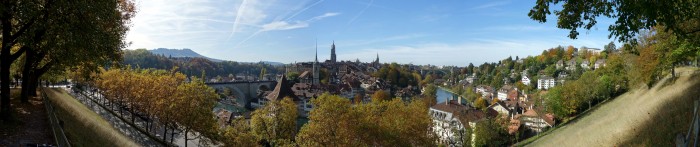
(283, 89)
(548, 118)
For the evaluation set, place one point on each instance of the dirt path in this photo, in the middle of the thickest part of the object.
(641, 117)
(32, 124)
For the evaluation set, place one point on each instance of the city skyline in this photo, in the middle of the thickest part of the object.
(446, 33)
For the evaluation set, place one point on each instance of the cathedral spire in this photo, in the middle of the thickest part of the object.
(377, 58)
(316, 68)
(333, 58)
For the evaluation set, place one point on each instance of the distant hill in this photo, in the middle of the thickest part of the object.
(180, 53)
(194, 66)
(272, 63)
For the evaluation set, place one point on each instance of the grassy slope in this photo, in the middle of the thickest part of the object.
(643, 117)
(85, 127)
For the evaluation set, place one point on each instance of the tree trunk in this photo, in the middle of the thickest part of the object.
(29, 58)
(31, 73)
(165, 132)
(9, 39)
(172, 135)
(673, 71)
(186, 137)
(26, 84)
(34, 83)
(133, 115)
(5, 63)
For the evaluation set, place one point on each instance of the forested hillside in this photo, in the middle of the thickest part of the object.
(195, 66)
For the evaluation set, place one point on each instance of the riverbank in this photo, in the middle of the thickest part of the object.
(443, 94)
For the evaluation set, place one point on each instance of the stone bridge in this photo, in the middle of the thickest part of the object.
(244, 91)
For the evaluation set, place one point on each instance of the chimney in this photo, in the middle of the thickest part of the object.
(459, 100)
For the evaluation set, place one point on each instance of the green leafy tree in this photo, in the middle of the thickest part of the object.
(610, 47)
(430, 91)
(632, 16)
(55, 36)
(490, 133)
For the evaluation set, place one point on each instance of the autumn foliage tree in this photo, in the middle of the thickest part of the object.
(335, 122)
(380, 95)
(194, 102)
(143, 92)
(275, 123)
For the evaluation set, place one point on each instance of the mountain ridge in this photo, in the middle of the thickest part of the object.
(186, 52)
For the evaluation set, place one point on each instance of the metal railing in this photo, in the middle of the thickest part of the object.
(56, 127)
(684, 140)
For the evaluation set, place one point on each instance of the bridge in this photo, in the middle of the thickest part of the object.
(244, 91)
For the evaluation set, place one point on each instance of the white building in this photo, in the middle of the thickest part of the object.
(525, 80)
(484, 90)
(503, 92)
(447, 123)
(560, 64)
(500, 108)
(537, 122)
(450, 121)
(571, 64)
(545, 83)
(599, 63)
(471, 78)
(585, 64)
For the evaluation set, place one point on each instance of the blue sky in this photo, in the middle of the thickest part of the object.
(444, 32)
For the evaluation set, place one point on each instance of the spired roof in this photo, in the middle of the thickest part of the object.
(283, 89)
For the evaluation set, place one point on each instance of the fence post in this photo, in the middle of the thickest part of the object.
(57, 129)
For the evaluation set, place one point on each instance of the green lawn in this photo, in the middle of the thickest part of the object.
(83, 126)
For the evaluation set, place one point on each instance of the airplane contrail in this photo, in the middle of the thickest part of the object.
(304, 9)
(362, 11)
(246, 39)
(260, 31)
(241, 9)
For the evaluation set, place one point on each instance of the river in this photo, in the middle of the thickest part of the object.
(443, 95)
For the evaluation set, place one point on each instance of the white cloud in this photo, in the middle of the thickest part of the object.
(492, 4)
(520, 28)
(159, 22)
(283, 25)
(374, 41)
(329, 14)
(461, 54)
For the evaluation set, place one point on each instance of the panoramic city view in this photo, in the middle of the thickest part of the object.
(354, 73)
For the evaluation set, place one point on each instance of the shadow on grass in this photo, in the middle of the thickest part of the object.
(673, 118)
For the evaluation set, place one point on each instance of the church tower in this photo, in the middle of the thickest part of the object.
(377, 59)
(316, 68)
(333, 52)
